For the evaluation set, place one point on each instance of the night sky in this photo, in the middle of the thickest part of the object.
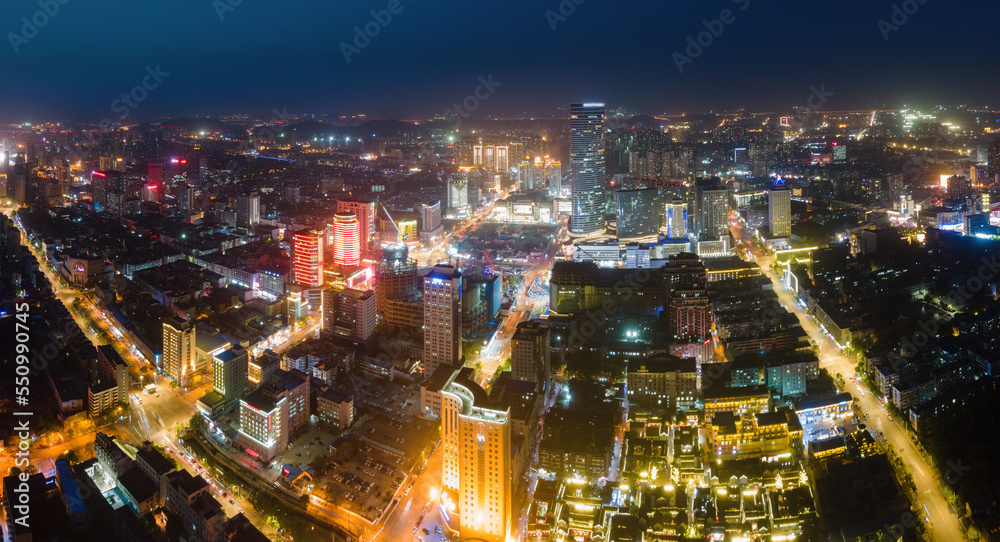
(268, 54)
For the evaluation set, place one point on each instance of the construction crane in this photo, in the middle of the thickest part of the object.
(402, 236)
(491, 265)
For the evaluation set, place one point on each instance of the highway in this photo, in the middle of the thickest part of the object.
(944, 524)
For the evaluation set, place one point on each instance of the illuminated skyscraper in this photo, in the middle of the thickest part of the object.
(178, 347)
(346, 240)
(638, 213)
(442, 318)
(779, 209)
(231, 374)
(586, 156)
(307, 258)
(349, 313)
(713, 209)
(264, 424)
(248, 210)
(676, 219)
(365, 211)
(477, 460)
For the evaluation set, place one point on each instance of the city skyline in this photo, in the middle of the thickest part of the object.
(315, 74)
(526, 272)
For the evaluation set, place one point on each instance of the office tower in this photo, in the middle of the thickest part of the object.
(676, 218)
(713, 209)
(429, 215)
(260, 369)
(178, 347)
(442, 318)
(530, 352)
(476, 466)
(154, 174)
(264, 422)
(993, 161)
(248, 210)
(638, 213)
(366, 212)
(554, 177)
(185, 197)
(690, 309)
(203, 169)
(779, 209)
(458, 194)
(346, 240)
(112, 368)
(231, 373)
(349, 313)
(307, 258)
(586, 155)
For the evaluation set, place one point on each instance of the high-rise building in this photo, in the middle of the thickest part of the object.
(690, 309)
(779, 209)
(993, 162)
(248, 210)
(231, 373)
(429, 215)
(638, 213)
(307, 258)
(676, 218)
(713, 209)
(155, 173)
(458, 194)
(366, 212)
(476, 467)
(112, 368)
(178, 347)
(530, 353)
(346, 240)
(349, 312)
(264, 422)
(442, 318)
(586, 152)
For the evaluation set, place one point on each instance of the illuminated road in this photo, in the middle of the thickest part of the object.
(944, 525)
(399, 523)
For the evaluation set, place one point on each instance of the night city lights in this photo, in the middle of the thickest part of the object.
(531, 271)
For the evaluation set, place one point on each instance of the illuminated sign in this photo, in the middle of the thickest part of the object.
(784, 121)
(80, 268)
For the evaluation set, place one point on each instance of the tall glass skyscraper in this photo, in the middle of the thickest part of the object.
(586, 156)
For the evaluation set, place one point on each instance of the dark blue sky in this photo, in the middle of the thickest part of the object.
(269, 54)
